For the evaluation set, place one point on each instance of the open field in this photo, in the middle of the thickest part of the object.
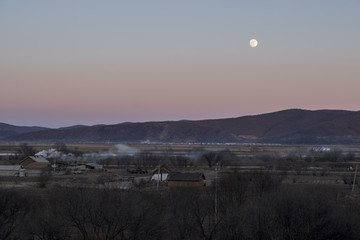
(179, 149)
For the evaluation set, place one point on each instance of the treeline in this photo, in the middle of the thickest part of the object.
(240, 206)
(194, 157)
(148, 159)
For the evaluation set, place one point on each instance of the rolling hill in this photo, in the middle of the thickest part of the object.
(294, 126)
(7, 130)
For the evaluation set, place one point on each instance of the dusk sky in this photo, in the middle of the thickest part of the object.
(69, 62)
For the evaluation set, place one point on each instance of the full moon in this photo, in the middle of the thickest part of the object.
(253, 43)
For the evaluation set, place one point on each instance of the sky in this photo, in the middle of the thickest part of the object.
(69, 62)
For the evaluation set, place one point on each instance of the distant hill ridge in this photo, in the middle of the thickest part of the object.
(293, 126)
(7, 130)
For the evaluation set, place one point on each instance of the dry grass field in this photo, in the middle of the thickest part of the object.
(238, 149)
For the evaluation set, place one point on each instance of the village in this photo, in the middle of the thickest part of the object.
(37, 168)
(157, 166)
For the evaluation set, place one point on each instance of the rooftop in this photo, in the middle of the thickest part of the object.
(39, 159)
(178, 176)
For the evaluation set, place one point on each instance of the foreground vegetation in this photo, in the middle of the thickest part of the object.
(241, 206)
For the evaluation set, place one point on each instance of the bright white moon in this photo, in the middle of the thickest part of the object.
(253, 43)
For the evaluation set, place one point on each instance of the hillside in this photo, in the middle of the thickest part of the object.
(293, 126)
(7, 130)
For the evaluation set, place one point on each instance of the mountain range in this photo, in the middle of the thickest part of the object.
(293, 126)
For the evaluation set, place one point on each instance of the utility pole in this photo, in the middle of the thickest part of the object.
(157, 187)
(215, 198)
(353, 186)
(216, 183)
(54, 164)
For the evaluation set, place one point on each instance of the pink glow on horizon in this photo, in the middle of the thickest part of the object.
(179, 92)
(64, 64)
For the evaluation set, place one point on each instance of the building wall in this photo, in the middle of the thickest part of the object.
(26, 162)
(33, 172)
(9, 172)
(37, 165)
(185, 184)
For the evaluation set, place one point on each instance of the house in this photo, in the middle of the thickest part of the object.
(12, 170)
(160, 173)
(178, 179)
(37, 162)
(159, 177)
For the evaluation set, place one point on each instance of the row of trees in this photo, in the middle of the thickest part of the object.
(195, 157)
(148, 159)
(144, 159)
(247, 206)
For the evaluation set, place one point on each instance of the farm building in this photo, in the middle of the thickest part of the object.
(178, 179)
(12, 170)
(159, 177)
(160, 173)
(37, 162)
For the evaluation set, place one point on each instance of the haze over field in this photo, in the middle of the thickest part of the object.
(87, 62)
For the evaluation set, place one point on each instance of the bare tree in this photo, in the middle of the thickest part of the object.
(265, 181)
(211, 158)
(233, 189)
(192, 213)
(24, 151)
(44, 178)
(61, 147)
(182, 221)
(181, 161)
(12, 208)
(95, 214)
(44, 222)
(146, 216)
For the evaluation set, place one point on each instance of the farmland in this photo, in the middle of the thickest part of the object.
(298, 164)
